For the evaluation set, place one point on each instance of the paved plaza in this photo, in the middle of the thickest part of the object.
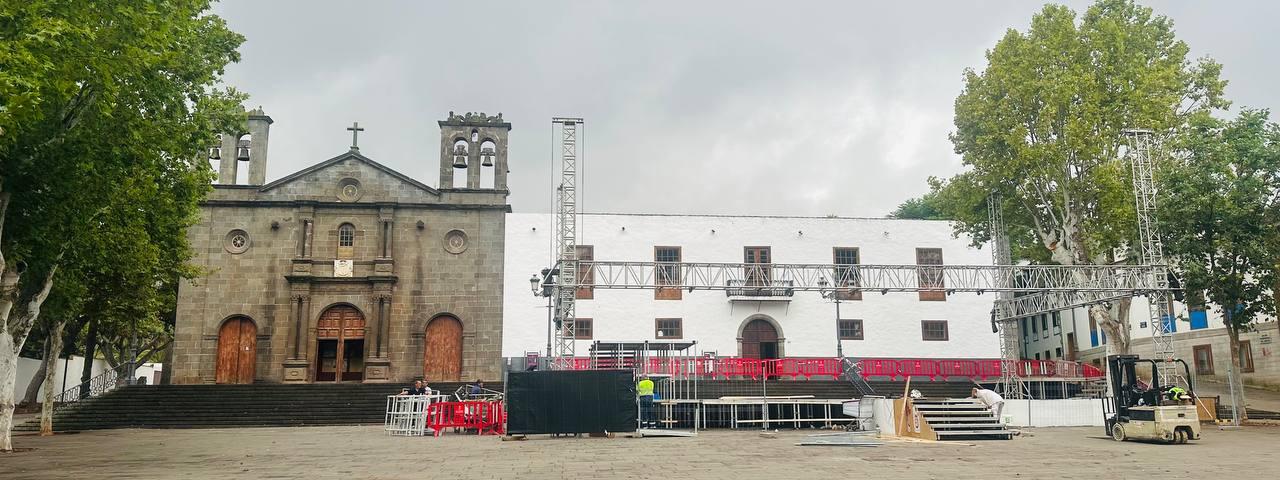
(364, 452)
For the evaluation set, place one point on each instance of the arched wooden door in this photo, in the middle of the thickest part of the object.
(443, 356)
(237, 351)
(340, 345)
(759, 340)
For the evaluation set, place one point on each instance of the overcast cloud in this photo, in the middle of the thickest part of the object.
(777, 108)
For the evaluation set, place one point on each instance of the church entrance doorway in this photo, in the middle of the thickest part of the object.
(443, 354)
(237, 351)
(760, 340)
(340, 352)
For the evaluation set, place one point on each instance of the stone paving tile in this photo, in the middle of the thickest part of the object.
(351, 453)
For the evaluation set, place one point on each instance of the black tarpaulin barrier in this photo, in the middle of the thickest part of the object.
(580, 401)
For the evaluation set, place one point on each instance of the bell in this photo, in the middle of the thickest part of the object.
(242, 154)
(459, 156)
(215, 153)
(486, 157)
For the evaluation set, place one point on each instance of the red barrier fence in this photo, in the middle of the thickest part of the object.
(808, 367)
(485, 417)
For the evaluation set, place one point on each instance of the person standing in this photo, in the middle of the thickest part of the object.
(418, 388)
(644, 390)
(991, 399)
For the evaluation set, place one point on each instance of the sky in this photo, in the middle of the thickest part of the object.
(709, 107)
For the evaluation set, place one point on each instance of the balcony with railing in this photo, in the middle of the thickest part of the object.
(760, 289)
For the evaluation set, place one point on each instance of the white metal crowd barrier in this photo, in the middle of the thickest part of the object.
(407, 414)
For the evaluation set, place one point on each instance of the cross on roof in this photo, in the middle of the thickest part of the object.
(355, 133)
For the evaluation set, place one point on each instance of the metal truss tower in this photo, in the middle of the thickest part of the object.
(566, 231)
(1141, 143)
(1001, 318)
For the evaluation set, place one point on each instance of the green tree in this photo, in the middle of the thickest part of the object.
(1042, 126)
(920, 208)
(99, 101)
(1219, 218)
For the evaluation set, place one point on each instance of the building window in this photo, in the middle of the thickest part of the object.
(1057, 352)
(759, 274)
(1195, 306)
(346, 241)
(668, 328)
(1246, 357)
(582, 328)
(1044, 324)
(346, 235)
(932, 288)
(585, 253)
(1203, 358)
(667, 272)
(850, 329)
(934, 330)
(847, 278)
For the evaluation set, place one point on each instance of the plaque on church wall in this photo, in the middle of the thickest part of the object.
(343, 268)
(455, 241)
(237, 241)
(349, 190)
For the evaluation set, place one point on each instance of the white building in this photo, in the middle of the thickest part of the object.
(1199, 338)
(920, 325)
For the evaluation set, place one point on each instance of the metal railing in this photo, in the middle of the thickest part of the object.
(834, 367)
(102, 383)
(760, 288)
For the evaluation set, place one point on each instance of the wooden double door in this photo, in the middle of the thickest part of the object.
(340, 345)
(759, 340)
(442, 358)
(237, 351)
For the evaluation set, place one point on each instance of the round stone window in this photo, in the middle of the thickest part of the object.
(455, 241)
(349, 190)
(237, 241)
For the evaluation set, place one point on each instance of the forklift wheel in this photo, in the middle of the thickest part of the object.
(1117, 432)
(1180, 436)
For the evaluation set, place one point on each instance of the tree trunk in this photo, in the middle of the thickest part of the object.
(166, 375)
(90, 347)
(33, 387)
(8, 381)
(1117, 331)
(53, 345)
(1236, 386)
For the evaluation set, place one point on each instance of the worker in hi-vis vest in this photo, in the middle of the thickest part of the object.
(644, 390)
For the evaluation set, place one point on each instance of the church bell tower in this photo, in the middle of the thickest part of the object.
(473, 152)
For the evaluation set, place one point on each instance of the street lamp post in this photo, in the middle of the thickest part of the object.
(833, 294)
(542, 288)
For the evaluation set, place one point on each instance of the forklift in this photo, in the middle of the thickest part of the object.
(1148, 412)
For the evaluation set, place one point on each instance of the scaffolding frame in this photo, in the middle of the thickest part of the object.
(566, 231)
(1141, 142)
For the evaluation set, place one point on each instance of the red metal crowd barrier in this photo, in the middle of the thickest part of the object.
(973, 369)
(808, 367)
(485, 417)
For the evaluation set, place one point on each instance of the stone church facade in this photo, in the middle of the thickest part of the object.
(348, 271)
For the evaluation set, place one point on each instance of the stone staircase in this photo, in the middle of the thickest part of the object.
(218, 406)
(961, 420)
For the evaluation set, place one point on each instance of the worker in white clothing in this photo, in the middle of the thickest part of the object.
(991, 399)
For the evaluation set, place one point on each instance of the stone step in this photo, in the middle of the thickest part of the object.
(976, 434)
(950, 426)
